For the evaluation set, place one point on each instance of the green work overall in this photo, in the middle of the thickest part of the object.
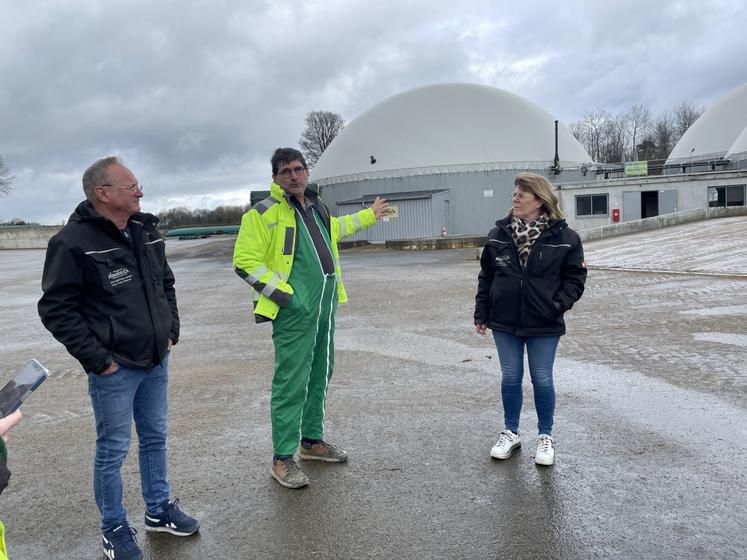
(303, 334)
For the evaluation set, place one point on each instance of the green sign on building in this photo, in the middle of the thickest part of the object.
(636, 168)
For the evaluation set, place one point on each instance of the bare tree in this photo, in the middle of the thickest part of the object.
(638, 120)
(685, 114)
(634, 134)
(579, 131)
(321, 128)
(613, 138)
(664, 135)
(594, 126)
(647, 149)
(5, 178)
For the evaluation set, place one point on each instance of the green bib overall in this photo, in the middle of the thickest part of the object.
(303, 334)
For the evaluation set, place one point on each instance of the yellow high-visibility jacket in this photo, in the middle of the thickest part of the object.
(3, 552)
(264, 250)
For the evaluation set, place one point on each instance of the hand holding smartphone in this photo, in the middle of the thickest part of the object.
(31, 375)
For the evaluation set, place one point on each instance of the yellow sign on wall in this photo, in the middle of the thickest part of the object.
(392, 212)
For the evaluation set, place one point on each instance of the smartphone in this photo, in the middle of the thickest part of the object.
(21, 386)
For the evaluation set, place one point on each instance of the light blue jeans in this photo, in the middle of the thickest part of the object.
(117, 399)
(541, 357)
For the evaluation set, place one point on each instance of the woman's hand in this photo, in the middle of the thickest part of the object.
(481, 328)
(8, 422)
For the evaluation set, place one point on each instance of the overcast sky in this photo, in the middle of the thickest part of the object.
(196, 94)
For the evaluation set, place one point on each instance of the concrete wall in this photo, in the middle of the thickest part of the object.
(692, 193)
(664, 220)
(26, 237)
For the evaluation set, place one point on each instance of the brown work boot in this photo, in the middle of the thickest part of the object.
(287, 473)
(323, 451)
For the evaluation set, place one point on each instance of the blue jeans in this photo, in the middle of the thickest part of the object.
(117, 399)
(541, 355)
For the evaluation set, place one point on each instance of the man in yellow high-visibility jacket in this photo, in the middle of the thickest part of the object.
(287, 251)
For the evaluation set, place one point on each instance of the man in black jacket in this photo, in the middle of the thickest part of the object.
(109, 298)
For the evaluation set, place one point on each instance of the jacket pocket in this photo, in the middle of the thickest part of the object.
(505, 297)
(541, 311)
(113, 272)
(502, 258)
(549, 259)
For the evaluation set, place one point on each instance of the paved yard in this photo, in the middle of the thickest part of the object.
(651, 380)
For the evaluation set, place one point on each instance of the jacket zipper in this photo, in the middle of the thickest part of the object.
(524, 268)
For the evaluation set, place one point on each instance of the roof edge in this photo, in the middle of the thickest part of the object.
(443, 169)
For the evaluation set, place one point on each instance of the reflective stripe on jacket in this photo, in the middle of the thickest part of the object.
(263, 254)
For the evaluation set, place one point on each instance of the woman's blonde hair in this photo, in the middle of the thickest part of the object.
(543, 190)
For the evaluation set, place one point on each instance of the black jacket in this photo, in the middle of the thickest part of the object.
(106, 298)
(529, 301)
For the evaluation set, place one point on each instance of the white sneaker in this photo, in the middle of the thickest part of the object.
(545, 451)
(507, 443)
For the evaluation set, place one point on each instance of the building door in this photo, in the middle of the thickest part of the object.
(447, 216)
(631, 206)
(649, 204)
(667, 201)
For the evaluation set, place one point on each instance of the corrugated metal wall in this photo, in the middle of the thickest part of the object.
(441, 211)
(475, 201)
(415, 220)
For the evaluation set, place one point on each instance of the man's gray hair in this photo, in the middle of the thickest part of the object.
(96, 175)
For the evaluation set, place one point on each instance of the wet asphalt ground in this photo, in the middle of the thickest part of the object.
(650, 424)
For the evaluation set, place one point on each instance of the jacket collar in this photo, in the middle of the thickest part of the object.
(277, 192)
(552, 225)
(507, 221)
(85, 212)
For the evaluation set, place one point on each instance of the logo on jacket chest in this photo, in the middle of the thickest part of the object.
(120, 276)
(503, 260)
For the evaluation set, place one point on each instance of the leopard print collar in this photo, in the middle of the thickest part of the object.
(525, 234)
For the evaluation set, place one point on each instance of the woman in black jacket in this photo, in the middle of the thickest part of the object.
(532, 272)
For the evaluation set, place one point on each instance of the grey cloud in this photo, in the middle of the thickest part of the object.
(196, 95)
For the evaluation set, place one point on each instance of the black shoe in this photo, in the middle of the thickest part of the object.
(120, 544)
(171, 520)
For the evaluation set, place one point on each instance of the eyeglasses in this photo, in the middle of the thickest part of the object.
(287, 171)
(131, 188)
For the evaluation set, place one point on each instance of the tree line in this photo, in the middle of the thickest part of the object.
(633, 135)
(184, 217)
